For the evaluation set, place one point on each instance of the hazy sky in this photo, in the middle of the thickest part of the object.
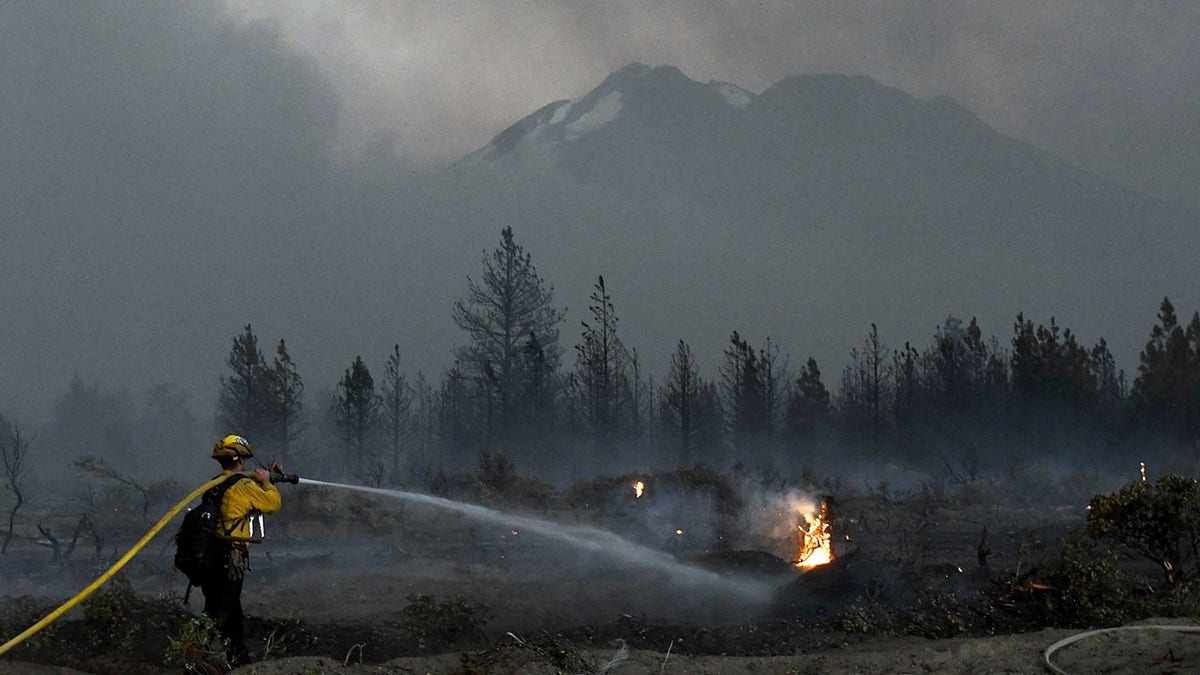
(173, 171)
(1111, 84)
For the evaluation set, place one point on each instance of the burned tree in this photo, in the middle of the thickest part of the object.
(14, 452)
(98, 467)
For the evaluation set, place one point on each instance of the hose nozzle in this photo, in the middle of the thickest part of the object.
(278, 476)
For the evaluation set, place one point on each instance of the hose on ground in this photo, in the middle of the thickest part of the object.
(32, 630)
(1099, 631)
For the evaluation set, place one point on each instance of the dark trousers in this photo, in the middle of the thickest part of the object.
(223, 604)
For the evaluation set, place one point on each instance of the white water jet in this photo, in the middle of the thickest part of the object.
(591, 539)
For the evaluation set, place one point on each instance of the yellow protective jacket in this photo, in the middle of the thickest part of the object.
(240, 500)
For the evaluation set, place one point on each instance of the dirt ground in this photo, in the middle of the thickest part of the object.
(1133, 652)
(1139, 651)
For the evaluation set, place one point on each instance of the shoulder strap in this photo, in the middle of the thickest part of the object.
(219, 489)
(217, 494)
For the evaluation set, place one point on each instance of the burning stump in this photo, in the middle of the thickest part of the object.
(825, 589)
(815, 536)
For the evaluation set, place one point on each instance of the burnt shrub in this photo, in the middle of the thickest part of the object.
(865, 617)
(107, 613)
(497, 481)
(435, 624)
(940, 614)
(22, 612)
(513, 654)
(199, 648)
(1081, 587)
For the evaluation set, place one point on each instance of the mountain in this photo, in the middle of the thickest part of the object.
(828, 202)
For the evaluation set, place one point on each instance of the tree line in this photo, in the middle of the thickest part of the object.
(508, 392)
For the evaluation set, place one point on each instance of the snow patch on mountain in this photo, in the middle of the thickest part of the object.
(737, 97)
(561, 113)
(605, 111)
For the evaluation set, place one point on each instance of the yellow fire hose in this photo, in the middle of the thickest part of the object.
(29, 632)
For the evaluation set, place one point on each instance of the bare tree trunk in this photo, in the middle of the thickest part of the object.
(14, 452)
(12, 515)
(57, 550)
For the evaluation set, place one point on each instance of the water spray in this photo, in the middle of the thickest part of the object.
(591, 539)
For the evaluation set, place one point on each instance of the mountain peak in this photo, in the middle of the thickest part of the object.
(640, 75)
(645, 88)
(823, 89)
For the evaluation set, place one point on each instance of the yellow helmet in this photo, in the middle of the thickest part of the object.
(232, 447)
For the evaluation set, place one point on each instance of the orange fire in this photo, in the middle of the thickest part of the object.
(638, 487)
(814, 542)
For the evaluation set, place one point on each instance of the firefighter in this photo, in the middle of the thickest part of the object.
(243, 501)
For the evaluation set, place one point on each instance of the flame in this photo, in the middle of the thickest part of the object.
(1143, 472)
(814, 542)
(638, 488)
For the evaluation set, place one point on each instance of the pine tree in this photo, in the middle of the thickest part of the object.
(1050, 366)
(245, 405)
(1110, 381)
(680, 399)
(809, 404)
(875, 381)
(1192, 401)
(502, 310)
(964, 373)
(707, 419)
(425, 425)
(600, 365)
(538, 388)
(742, 391)
(396, 399)
(773, 372)
(1162, 392)
(287, 400)
(907, 393)
(865, 389)
(637, 400)
(90, 421)
(457, 417)
(357, 411)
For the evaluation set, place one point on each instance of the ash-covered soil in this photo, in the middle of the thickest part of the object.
(355, 583)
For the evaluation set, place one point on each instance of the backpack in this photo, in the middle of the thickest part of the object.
(198, 548)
